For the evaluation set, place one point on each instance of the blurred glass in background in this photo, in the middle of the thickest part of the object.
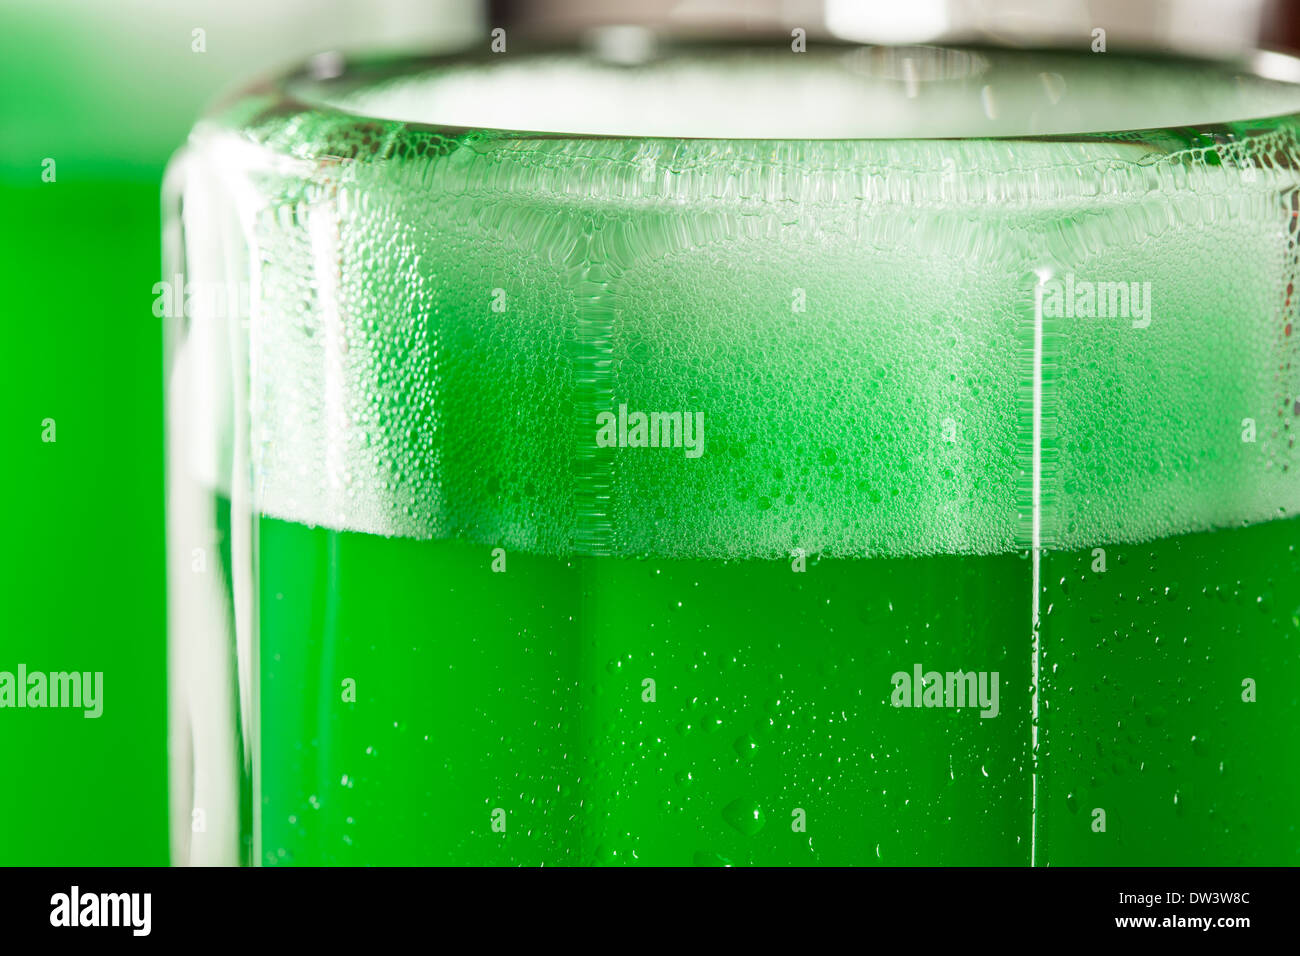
(96, 96)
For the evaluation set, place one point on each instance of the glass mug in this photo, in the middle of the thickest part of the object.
(871, 456)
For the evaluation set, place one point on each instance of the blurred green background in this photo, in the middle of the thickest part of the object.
(108, 91)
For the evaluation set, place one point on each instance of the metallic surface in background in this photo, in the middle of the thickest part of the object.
(1218, 29)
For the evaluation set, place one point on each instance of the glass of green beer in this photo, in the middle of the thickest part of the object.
(738, 454)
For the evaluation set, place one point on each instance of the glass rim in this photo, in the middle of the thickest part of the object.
(303, 87)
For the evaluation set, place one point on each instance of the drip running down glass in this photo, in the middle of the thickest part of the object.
(868, 456)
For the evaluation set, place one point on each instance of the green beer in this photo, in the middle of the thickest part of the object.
(760, 714)
(872, 464)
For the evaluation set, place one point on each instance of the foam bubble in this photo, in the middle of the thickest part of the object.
(442, 318)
